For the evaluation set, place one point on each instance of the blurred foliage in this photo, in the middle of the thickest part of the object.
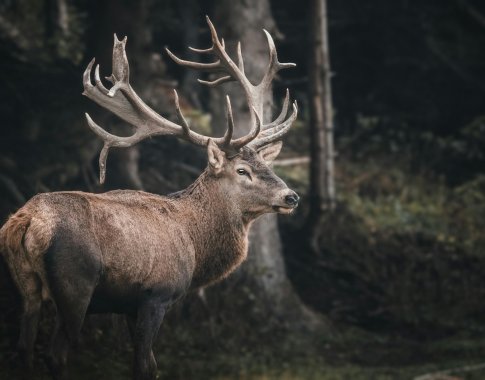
(402, 254)
(46, 31)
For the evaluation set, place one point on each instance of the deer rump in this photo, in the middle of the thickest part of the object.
(95, 247)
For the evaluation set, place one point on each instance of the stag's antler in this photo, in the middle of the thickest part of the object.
(122, 100)
(230, 71)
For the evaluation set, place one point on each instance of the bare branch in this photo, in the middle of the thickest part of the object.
(292, 161)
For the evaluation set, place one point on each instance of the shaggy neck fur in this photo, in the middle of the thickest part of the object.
(218, 226)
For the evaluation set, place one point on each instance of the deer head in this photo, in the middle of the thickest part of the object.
(249, 182)
(241, 165)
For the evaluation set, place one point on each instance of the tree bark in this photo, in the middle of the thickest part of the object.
(190, 12)
(264, 270)
(322, 186)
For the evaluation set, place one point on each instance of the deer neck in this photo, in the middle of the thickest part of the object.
(219, 230)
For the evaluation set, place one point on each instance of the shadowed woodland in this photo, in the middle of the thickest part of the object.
(385, 281)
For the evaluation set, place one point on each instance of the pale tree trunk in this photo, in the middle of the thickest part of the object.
(322, 186)
(264, 270)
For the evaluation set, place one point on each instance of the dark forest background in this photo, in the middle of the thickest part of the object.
(394, 287)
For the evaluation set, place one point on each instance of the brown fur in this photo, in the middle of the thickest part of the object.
(24, 239)
(12, 246)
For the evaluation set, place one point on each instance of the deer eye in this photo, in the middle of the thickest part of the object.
(242, 172)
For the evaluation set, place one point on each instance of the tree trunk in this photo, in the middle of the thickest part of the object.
(264, 270)
(190, 14)
(322, 187)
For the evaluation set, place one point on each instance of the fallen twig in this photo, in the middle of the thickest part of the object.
(292, 161)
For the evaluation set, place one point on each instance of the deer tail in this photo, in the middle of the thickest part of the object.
(12, 246)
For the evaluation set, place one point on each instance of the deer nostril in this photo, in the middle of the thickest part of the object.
(292, 199)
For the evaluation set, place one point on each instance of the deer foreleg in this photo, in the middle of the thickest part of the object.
(149, 318)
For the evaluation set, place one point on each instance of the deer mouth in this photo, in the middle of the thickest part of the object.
(284, 209)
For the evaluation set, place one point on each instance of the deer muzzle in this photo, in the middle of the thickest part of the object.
(289, 202)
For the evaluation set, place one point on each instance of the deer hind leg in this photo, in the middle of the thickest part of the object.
(30, 290)
(149, 318)
(31, 293)
(71, 303)
(73, 274)
(57, 356)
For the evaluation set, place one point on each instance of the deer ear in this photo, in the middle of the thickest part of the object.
(269, 152)
(216, 156)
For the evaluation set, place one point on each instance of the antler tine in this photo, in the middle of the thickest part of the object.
(223, 64)
(275, 133)
(226, 61)
(97, 79)
(211, 67)
(218, 81)
(110, 140)
(201, 51)
(240, 61)
(274, 65)
(282, 115)
(120, 76)
(87, 75)
(230, 123)
(183, 122)
(252, 135)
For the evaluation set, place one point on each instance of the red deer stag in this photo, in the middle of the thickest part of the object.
(136, 253)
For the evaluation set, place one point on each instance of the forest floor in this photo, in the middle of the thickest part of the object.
(106, 363)
(353, 354)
